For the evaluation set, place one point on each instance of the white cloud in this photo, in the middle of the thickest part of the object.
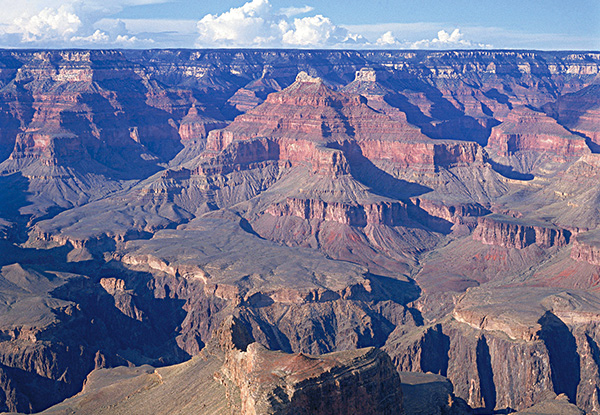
(315, 30)
(63, 23)
(387, 39)
(445, 40)
(255, 24)
(97, 37)
(295, 11)
(49, 23)
(91, 23)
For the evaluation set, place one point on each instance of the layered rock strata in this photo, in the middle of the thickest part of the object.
(517, 233)
(308, 115)
(586, 247)
(526, 130)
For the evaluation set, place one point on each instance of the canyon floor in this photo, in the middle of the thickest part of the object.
(299, 232)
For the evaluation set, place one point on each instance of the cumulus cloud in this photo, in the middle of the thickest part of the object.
(315, 30)
(64, 23)
(256, 24)
(49, 23)
(251, 24)
(387, 39)
(295, 11)
(92, 24)
(445, 40)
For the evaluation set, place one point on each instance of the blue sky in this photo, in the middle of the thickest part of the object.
(361, 24)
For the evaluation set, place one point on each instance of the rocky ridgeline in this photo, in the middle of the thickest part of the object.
(517, 233)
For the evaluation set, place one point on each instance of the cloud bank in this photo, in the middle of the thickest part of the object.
(91, 24)
(256, 24)
(445, 40)
(67, 23)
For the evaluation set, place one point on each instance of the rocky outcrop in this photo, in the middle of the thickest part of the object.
(359, 381)
(308, 116)
(553, 405)
(384, 213)
(579, 111)
(455, 213)
(527, 130)
(194, 126)
(586, 247)
(517, 233)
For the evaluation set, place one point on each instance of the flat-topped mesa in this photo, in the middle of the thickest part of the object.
(526, 130)
(371, 75)
(511, 232)
(586, 247)
(367, 82)
(359, 381)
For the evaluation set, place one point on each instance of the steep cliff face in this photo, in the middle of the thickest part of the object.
(586, 247)
(384, 213)
(359, 381)
(308, 114)
(76, 105)
(194, 126)
(545, 332)
(517, 233)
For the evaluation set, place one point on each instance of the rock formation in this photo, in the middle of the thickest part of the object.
(586, 247)
(512, 232)
(526, 130)
(360, 381)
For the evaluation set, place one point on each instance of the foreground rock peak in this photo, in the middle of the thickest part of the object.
(362, 381)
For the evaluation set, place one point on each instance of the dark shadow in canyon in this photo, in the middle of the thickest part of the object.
(486, 375)
(435, 348)
(387, 288)
(381, 182)
(562, 353)
(15, 192)
(444, 121)
(509, 172)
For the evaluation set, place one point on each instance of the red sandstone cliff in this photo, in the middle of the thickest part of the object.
(518, 233)
(308, 115)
